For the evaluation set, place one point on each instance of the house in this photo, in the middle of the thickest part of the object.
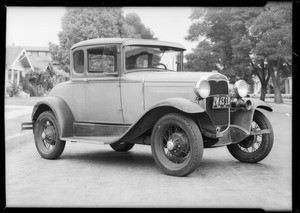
(257, 85)
(20, 60)
(41, 60)
(17, 63)
(40, 57)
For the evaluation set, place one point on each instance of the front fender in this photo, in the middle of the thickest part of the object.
(243, 118)
(240, 123)
(61, 111)
(181, 104)
(155, 112)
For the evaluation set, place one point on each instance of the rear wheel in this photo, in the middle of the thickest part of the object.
(122, 146)
(176, 144)
(46, 136)
(255, 147)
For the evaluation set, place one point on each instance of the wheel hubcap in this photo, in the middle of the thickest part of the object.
(48, 134)
(43, 135)
(170, 145)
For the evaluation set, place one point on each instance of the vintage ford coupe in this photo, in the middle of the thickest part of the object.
(133, 91)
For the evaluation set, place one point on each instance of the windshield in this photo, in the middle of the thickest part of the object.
(150, 57)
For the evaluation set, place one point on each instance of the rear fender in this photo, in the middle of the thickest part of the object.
(61, 111)
(244, 118)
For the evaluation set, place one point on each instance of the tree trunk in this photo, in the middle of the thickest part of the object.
(276, 85)
(263, 91)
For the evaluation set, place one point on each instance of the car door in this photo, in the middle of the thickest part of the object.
(103, 91)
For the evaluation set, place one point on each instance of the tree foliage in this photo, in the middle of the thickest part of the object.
(241, 42)
(138, 29)
(79, 24)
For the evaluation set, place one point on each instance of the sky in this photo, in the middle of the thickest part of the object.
(37, 26)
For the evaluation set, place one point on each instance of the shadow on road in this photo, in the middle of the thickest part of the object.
(112, 158)
(140, 160)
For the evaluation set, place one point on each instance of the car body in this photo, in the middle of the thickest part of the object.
(124, 91)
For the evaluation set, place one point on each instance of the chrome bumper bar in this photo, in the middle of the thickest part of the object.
(26, 126)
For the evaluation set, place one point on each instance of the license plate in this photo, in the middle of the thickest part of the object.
(221, 102)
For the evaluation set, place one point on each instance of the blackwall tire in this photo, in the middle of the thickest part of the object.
(264, 142)
(176, 144)
(46, 136)
(122, 146)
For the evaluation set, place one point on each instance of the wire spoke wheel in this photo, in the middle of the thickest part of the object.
(176, 144)
(254, 148)
(46, 136)
(253, 142)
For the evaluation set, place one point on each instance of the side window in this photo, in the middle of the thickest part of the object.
(78, 59)
(102, 59)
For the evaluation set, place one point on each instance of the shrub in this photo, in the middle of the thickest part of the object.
(13, 89)
(37, 83)
(28, 87)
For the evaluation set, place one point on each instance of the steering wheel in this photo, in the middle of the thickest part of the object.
(158, 64)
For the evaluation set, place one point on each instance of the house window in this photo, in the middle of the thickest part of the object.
(102, 59)
(41, 53)
(78, 59)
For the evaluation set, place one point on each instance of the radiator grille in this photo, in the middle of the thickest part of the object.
(218, 87)
(220, 117)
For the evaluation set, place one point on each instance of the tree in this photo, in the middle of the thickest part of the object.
(247, 41)
(139, 29)
(272, 29)
(79, 24)
(203, 58)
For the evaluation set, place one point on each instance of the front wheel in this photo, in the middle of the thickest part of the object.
(46, 136)
(176, 144)
(255, 147)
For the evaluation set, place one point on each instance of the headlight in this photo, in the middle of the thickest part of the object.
(241, 88)
(202, 88)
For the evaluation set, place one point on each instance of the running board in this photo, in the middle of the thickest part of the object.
(102, 140)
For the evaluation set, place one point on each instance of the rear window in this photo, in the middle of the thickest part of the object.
(78, 59)
(102, 59)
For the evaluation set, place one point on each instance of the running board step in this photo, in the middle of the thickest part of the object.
(102, 140)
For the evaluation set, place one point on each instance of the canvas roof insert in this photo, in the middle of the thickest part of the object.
(127, 41)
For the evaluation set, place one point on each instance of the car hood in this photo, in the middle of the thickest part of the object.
(192, 77)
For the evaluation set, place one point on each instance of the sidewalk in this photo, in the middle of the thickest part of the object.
(285, 100)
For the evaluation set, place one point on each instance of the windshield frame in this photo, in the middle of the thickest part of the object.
(152, 69)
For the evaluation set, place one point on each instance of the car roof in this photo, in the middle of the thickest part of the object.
(127, 41)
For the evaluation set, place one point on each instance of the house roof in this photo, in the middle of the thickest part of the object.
(39, 63)
(17, 54)
(127, 41)
(12, 52)
(36, 48)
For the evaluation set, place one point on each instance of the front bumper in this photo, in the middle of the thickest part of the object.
(233, 134)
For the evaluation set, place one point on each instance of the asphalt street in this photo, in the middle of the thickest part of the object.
(89, 175)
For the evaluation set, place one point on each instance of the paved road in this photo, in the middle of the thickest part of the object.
(95, 176)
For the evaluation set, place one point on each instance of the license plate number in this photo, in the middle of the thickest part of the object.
(221, 102)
